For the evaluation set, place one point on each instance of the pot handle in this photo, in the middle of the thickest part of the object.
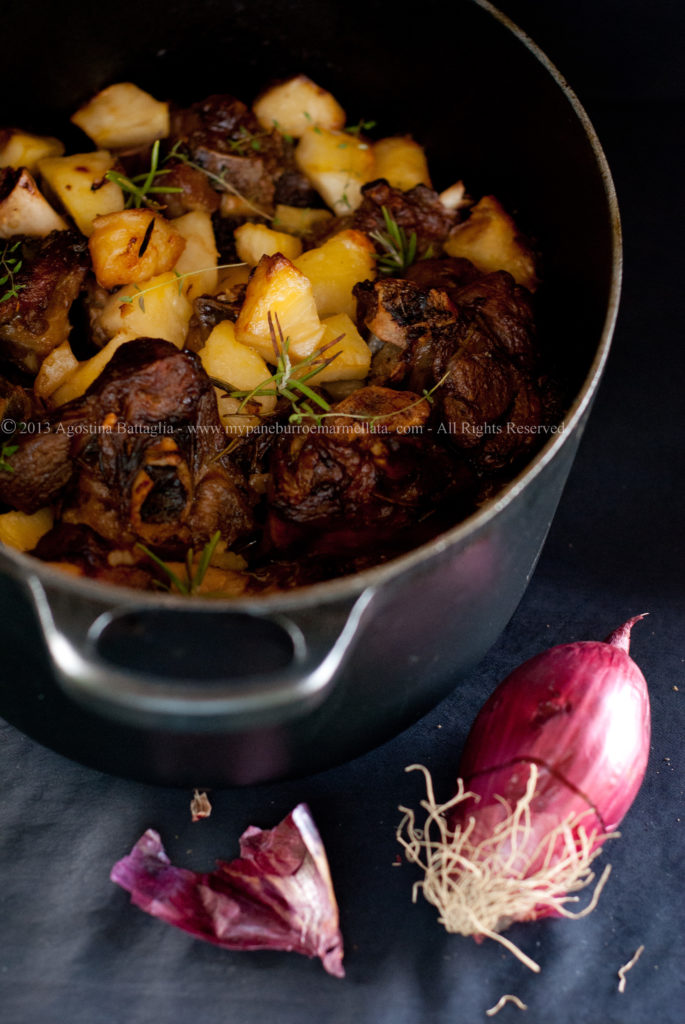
(248, 668)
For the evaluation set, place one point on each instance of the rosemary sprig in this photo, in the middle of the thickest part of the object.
(194, 574)
(372, 421)
(10, 265)
(141, 186)
(219, 179)
(400, 250)
(140, 292)
(288, 381)
(5, 452)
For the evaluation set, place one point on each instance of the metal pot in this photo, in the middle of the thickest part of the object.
(195, 692)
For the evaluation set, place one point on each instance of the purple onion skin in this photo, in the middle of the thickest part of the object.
(580, 712)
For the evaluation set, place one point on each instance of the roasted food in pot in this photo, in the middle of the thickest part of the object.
(252, 345)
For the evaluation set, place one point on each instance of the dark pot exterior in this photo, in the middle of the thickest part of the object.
(199, 693)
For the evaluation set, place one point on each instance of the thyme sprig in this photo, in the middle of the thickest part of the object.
(372, 421)
(399, 250)
(246, 140)
(194, 574)
(289, 380)
(140, 292)
(141, 187)
(361, 126)
(10, 265)
(219, 179)
(5, 452)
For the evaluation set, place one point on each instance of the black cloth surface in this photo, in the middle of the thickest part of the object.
(73, 949)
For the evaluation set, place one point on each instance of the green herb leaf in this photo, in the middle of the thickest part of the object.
(399, 251)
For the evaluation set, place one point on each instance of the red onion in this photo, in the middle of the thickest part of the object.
(552, 763)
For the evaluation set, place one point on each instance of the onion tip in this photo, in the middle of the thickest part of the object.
(621, 637)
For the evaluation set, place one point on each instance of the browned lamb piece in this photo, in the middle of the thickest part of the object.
(137, 458)
(36, 320)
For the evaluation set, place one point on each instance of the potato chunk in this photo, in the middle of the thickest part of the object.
(132, 246)
(402, 162)
(199, 258)
(79, 183)
(158, 310)
(54, 371)
(296, 105)
(334, 269)
(22, 531)
(123, 116)
(489, 239)
(20, 149)
(252, 241)
(243, 369)
(352, 354)
(337, 164)
(25, 210)
(296, 220)
(78, 382)
(278, 288)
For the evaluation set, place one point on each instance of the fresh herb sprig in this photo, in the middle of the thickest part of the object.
(361, 126)
(195, 574)
(289, 380)
(5, 452)
(176, 153)
(10, 265)
(141, 187)
(246, 140)
(371, 421)
(399, 250)
(139, 293)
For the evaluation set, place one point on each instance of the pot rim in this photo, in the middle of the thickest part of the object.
(348, 587)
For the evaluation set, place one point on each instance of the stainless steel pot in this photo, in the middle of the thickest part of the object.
(189, 691)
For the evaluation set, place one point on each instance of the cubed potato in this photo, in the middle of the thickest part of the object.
(236, 207)
(54, 371)
(252, 241)
(236, 365)
(123, 116)
(296, 105)
(489, 239)
(278, 288)
(22, 531)
(402, 162)
(26, 211)
(78, 382)
(335, 267)
(296, 220)
(157, 310)
(132, 246)
(79, 183)
(20, 149)
(454, 197)
(230, 277)
(199, 258)
(337, 164)
(352, 354)
(235, 423)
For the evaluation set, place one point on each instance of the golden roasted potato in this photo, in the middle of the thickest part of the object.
(335, 267)
(489, 239)
(122, 116)
(236, 365)
(132, 246)
(199, 258)
(57, 366)
(26, 211)
(352, 354)
(401, 161)
(252, 241)
(78, 382)
(278, 288)
(157, 310)
(337, 164)
(296, 105)
(296, 220)
(22, 531)
(79, 183)
(20, 149)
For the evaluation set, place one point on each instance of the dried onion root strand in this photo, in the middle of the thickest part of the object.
(551, 765)
(622, 971)
(508, 998)
(480, 888)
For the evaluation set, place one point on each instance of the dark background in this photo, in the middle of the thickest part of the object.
(71, 947)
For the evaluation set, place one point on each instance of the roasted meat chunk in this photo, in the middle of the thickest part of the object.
(137, 458)
(418, 210)
(36, 319)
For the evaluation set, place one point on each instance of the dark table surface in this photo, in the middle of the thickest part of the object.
(71, 946)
